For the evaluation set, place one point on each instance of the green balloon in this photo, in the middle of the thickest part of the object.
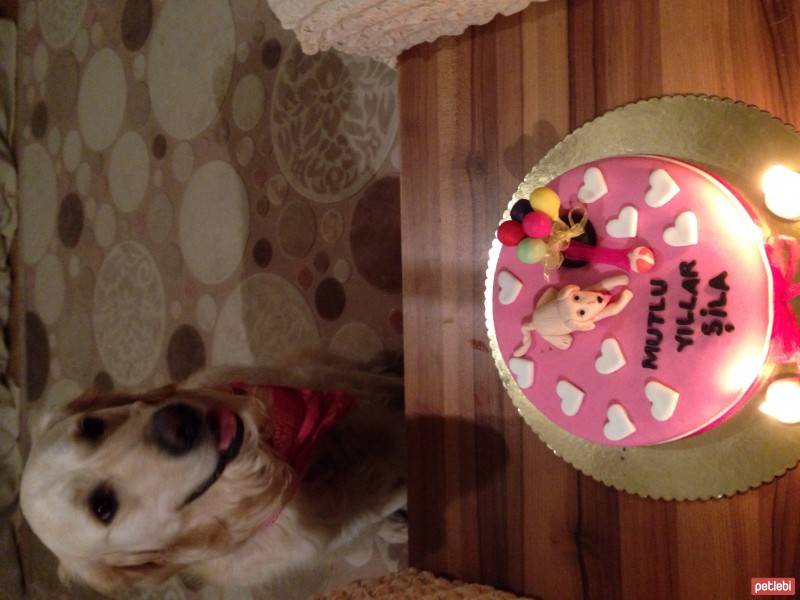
(531, 250)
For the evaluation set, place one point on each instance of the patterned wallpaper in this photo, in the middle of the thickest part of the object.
(196, 191)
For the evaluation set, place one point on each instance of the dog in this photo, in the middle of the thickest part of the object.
(234, 478)
(559, 312)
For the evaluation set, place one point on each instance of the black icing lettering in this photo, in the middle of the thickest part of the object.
(683, 342)
(655, 339)
(714, 312)
(719, 302)
(714, 327)
(658, 287)
(690, 280)
(651, 360)
(685, 322)
(716, 308)
(687, 269)
(690, 285)
(719, 283)
(662, 304)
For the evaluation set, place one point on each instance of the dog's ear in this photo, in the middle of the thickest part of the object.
(92, 399)
(567, 290)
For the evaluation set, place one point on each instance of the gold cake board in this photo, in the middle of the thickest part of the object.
(737, 142)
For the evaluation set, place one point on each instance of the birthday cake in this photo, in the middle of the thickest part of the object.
(632, 300)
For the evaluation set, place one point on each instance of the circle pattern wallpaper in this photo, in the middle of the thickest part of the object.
(197, 192)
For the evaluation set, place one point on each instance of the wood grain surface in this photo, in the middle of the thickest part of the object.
(487, 500)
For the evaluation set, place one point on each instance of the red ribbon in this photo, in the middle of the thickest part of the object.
(783, 254)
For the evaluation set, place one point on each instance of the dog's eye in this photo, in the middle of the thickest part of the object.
(581, 312)
(576, 298)
(599, 300)
(103, 504)
(92, 428)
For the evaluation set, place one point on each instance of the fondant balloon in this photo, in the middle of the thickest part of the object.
(537, 224)
(641, 259)
(520, 209)
(510, 233)
(531, 250)
(546, 200)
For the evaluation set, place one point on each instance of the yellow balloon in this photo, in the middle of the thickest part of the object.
(547, 201)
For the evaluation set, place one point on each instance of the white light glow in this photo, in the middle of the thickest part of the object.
(782, 400)
(781, 187)
(742, 371)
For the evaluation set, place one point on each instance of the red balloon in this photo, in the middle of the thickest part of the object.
(510, 233)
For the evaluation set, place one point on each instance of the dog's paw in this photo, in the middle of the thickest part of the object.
(360, 553)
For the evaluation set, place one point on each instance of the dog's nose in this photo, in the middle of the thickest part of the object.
(177, 428)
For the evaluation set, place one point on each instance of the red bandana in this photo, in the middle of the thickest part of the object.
(299, 418)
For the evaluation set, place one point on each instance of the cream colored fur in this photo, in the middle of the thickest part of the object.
(356, 481)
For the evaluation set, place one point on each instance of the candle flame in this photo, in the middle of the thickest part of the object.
(781, 187)
(782, 400)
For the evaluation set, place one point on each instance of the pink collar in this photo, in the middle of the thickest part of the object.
(298, 417)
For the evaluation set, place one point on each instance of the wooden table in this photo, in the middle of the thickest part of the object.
(488, 501)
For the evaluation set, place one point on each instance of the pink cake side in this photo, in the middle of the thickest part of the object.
(724, 278)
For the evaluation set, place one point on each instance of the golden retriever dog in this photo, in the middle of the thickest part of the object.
(234, 478)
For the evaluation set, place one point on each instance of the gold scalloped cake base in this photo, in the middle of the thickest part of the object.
(738, 143)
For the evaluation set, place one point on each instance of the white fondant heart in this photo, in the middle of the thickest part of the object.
(663, 398)
(594, 186)
(662, 189)
(510, 287)
(571, 397)
(618, 425)
(626, 223)
(611, 358)
(522, 368)
(684, 231)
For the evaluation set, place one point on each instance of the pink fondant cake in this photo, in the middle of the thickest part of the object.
(664, 332)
